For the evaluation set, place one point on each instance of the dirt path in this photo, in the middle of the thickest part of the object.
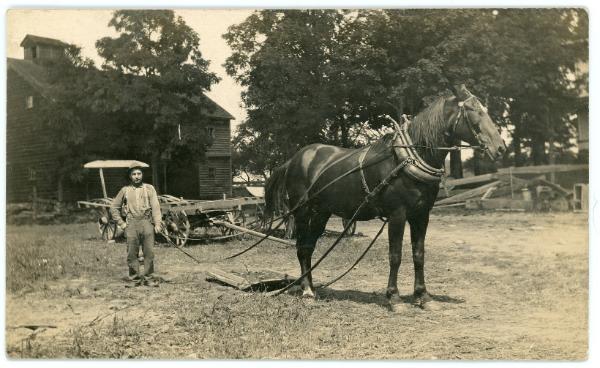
(511, 286)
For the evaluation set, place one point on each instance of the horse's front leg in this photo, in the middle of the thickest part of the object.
(395, 233)
(418, 229)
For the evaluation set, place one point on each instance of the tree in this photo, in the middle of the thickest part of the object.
(151, 86)
(253, 154)
(314, 76)
(520, 61)
(66, 116)
(305, 78)
(542, 48)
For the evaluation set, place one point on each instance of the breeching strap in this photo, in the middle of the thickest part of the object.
(308, 198)
(393, 174)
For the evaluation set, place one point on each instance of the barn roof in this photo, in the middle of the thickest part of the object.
(215, 110)
(38, 40)
(33, 73)
(37, 76)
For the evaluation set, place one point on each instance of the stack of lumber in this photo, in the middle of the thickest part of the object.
(510, 189)
(46, 211)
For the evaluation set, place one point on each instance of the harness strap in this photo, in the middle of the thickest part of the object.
(392, 175)
(364, 253)
(361, 158)
(314, 182)
(419, 162)
(304, 200)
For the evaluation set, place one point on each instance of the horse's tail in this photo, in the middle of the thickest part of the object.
(275, 192)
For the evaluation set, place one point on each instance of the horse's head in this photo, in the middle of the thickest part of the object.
(471, 123)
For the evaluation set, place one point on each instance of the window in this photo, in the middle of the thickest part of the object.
(212, 172)
(34, 52)
(210, 132)
(31, 173)
(29, 102)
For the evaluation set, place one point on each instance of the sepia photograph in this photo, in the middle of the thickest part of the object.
(396, 184)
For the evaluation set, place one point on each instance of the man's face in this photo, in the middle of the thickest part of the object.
(136, 176)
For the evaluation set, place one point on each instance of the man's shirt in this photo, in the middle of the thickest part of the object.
(137, 202)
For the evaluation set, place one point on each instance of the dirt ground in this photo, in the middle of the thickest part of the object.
(511, 286)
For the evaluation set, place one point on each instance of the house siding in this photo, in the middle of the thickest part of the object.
(192, 181)
(220, 184)
(27, 151)
(221, 145)
(26, 147)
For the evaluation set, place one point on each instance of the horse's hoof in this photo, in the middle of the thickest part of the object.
(399, 308)
(430, 306)
(396, 305)
(309, 294)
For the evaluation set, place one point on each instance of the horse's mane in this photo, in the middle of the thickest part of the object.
(425, 129)
(428, 126)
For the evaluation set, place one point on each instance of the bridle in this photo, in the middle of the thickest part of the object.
(462, 116)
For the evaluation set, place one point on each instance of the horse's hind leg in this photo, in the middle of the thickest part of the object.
(309, 227)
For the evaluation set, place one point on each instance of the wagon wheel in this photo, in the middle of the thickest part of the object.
(352, 230)
(261, 222)
(177, 228)
(235, 217)
(106, 226)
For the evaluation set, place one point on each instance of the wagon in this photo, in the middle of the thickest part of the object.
(183, 219)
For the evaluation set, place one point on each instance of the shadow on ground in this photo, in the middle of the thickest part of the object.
(379, 299)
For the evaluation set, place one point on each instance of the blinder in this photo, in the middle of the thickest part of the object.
(473, 127)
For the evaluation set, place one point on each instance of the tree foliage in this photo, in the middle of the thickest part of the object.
(67, 116)
(319, 75)
(146, 100)
(152, 84)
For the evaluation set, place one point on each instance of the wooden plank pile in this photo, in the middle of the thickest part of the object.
(45, 211)
(257, 280)
(510, 189)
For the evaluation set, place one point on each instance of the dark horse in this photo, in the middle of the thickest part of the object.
(407, 198)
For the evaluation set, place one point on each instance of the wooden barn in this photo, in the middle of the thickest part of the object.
(30, 163)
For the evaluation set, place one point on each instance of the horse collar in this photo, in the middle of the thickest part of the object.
(415, 166)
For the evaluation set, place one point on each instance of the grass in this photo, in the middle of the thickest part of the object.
(119, 339)
(500, 300)
(39, 254)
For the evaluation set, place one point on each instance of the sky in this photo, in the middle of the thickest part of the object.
(84, 27)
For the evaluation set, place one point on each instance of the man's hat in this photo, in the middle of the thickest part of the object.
(136, 165)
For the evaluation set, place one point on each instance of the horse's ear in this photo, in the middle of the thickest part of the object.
(461, 91)
(453, 90)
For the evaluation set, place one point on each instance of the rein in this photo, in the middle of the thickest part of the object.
(457, 147)
(307, 197)
(392, 175)
(408, 161)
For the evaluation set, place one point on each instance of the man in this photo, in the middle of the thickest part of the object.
(138, 202)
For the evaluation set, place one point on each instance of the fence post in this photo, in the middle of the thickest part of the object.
(34, 204)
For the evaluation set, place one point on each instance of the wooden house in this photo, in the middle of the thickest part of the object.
(31, 164)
